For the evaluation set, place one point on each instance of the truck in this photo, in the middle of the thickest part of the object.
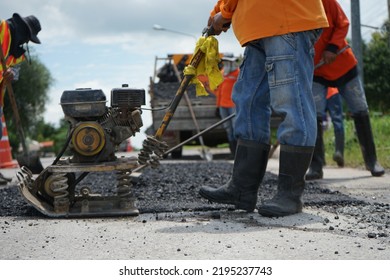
(193, 113)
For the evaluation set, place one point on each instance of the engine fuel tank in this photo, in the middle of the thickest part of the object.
(83, 103)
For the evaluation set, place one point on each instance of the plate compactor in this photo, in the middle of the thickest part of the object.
(95, 132)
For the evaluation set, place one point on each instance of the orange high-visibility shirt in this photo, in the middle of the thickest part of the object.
(256, 19)
(334, 36)
(224, 91)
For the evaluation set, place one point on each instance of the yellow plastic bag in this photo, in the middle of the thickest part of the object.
(208, 66)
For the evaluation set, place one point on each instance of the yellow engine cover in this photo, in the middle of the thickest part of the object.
(88, 138)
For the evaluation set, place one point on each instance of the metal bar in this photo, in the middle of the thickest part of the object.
(190, 139)
(201, 133)
(179, 94)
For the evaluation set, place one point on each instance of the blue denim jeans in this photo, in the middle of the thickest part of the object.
(277, 73)
(352, 92)
(334, 105)
(229, 125)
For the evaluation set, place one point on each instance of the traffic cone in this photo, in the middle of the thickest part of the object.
(5, 149)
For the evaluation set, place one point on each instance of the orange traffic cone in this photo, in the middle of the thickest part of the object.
(5, 149)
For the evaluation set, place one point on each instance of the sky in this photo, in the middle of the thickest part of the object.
(103, 44)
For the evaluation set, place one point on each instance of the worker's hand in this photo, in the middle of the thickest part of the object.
(8, 75)
(328, 57)
(210, 21)
(219, 24)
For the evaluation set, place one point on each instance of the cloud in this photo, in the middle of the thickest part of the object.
(103, 44)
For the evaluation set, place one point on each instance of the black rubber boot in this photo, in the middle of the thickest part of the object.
(367, 145)
(338, 155)
(293, 164)
(249, 168)
(318, 161)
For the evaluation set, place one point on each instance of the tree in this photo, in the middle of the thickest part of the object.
(60, 136)
(31, 94)
(377, 70)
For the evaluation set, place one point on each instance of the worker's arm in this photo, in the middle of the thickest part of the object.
(226, 7)
(216, 9)
(339, 24)
(221, 15)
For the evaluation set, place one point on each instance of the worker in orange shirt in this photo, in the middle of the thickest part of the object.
(334, 105)
(225, 103)
(340, 70)
(276, 75)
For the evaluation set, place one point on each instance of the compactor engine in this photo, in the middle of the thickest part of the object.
(97, 130)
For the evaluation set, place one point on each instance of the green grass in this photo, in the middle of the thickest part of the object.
(352, 154)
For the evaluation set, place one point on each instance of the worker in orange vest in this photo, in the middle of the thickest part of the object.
(14, 33)
(334, 105)
(275, 74)
(225, 103)
(340, 70)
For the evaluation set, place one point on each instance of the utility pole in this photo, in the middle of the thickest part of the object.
(388, 24)
(357, 36)
(388, 9)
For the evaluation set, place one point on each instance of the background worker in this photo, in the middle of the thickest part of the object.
(276, 73)
(225, 103)
(334, 106)
(340, 71)
(14, 33)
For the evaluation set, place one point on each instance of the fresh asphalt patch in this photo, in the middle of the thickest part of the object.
(170, 193)
(173, 187)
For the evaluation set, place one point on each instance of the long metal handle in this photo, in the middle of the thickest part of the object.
(195, 61)
(190, 139)
(201, 133)
(179, 94)
(14, 105)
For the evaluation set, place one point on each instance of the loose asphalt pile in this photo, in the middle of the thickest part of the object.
(173, 187)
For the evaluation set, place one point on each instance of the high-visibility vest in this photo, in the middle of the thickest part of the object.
(5, 41)
(331, 91)
(224, 91)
